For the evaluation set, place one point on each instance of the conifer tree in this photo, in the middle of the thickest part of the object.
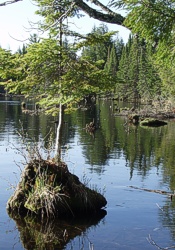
(22, 50)
(122, 81)
(50, 71)
(137, 76)
(133, 71)
(99, 51)
(149, 85)
(111, 65)
(119, 44)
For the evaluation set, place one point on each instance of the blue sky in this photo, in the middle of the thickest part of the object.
(15, 24)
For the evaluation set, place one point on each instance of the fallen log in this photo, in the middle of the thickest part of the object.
(153, 190)
(171, 195)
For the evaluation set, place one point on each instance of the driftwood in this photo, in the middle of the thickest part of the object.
(155, 191)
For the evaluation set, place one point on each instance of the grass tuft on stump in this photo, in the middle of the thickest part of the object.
(49, 190)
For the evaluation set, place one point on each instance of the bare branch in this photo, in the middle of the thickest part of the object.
(108, 17)
(105, 8)
(159, 207)
(113, 18)
(9, 2)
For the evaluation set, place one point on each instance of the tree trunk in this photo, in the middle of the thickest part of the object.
(58, 135)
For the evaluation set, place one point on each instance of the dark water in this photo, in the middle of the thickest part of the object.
(117, 157)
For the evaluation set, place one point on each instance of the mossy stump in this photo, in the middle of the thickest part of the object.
(151, 122)
(50, 190)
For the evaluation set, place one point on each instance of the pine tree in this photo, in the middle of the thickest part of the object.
(22, 50)
(99, 51)
(137, 76)
(149, 84)
(133, 71)
(111, 65)
(122, 74)
(119, 44)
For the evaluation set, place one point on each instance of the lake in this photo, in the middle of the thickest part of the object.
(120, 160)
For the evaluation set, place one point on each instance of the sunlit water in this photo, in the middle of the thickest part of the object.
(117, 157)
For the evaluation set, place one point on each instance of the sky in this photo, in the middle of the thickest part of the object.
(16, 24)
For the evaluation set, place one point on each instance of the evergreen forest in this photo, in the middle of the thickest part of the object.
(65, 67)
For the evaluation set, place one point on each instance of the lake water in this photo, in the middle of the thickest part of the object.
(115, 159)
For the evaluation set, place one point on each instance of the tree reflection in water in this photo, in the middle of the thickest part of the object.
(55, 234)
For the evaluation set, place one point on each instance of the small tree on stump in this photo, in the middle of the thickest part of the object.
(52, 74)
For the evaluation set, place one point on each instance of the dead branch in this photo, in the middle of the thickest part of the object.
(159, 207)
(105, 8)
(152, 190)
(9, 2)
(109, 18)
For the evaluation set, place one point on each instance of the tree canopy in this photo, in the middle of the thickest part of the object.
(50, 71)
(152, 20)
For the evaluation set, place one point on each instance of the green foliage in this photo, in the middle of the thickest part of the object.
(55, 15)
(51, 80)
(154, 21)
(34, 38)
(97, 44)
(10, 68)
(150, 19)
(22, 50)
(137, 76)
(150, 84)
(164, 60)
(51, 72)
(111, 65)
(99, 47)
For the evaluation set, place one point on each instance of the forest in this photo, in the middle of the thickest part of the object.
(65, 66)
(58, 73)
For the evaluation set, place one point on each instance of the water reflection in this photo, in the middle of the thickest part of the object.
(142, 148)
(117, 156)
(167, 215)
(37, 234)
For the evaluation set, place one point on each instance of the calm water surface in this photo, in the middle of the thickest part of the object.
(117, 157)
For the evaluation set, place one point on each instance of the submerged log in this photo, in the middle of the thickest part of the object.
(50, 190)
